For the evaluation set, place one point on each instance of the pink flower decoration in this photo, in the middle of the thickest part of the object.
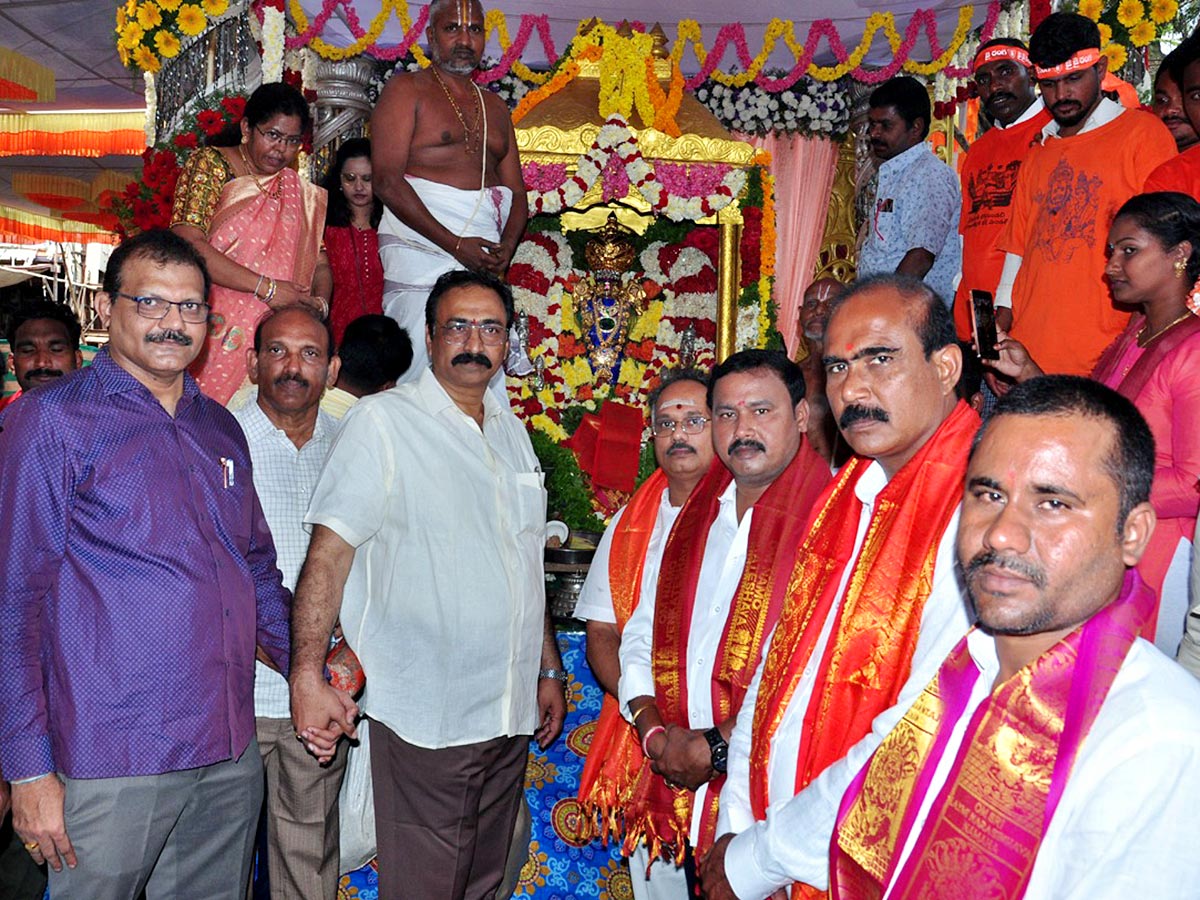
(542, 177)
(682, 180)
(614, 179)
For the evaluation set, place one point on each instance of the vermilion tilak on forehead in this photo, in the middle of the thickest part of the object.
(466, 12)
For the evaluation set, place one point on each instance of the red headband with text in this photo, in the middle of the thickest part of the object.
(1001, 51)
(1084, 59)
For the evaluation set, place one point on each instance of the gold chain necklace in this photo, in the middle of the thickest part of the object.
(273, 192)
(470, 135)
(1142, 342)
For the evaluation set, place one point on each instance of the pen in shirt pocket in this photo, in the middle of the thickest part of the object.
(227, 471)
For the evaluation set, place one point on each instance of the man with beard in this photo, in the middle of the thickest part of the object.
(291, 364)
(136, 577)
(875, 601)
(1004, 79)
(624, 570)
(1054, 752)
(433, 493)
(43, 341)
(688, 651)
(1092, 157)
(814, 313)
(913, 227)
(1168, 100)
(446, 166)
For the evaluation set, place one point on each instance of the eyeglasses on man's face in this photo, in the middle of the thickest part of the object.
(278, 137)
(194, 312)
(458, 331)
(690, 425)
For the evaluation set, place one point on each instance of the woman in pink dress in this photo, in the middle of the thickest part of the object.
(258, 226)
(1154, 264)
(351, 242)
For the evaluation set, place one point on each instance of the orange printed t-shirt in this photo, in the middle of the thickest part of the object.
(1179, 173)
(989, 177)
(1067, 193)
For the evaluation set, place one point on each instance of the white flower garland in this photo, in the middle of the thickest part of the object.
(616, 138)
(151, 107)
(272, 43)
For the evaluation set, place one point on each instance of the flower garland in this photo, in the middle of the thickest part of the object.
(272, 45)
(151, 97)
(922, 23)
(150, 31)
(807, 107)
(614, 156)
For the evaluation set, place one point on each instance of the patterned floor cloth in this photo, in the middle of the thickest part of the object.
(561, 865)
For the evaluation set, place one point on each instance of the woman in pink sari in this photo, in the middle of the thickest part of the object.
(258, 226)
(1154, 263)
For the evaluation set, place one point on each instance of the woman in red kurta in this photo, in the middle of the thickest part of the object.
(351, 241)
(1154, 264)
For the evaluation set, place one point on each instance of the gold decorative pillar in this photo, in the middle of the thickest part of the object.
(729, 276)
(837, 258)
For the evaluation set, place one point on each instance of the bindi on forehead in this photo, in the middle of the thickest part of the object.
(681, 403)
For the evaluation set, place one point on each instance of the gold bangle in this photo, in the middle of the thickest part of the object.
(641, 709)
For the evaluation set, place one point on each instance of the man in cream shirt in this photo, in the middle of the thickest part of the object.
(433, 493)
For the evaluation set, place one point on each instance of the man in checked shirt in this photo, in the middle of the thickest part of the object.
(137, 575)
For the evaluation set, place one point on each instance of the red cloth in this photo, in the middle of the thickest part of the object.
(989, 177)
(357, 276)
(608, 446)
(1179, 173)
(1067, 193)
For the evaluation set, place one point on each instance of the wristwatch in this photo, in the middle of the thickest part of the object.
(720, 749)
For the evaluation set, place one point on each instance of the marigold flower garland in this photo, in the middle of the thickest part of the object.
(150, 31)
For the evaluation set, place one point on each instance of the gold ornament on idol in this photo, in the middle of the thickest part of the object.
(472, 135)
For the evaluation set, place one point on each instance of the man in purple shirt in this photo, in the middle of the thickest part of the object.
(137, 575)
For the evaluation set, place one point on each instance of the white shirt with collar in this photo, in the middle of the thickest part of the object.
(1106, 111)
(448, 521)
(917, 205)
(595, 599)
(284, 478)
(720, 573)
(792, 843)
(1121, 828)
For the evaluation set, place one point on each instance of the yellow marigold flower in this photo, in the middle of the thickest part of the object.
(167, 44)
(1091, 9)
(1116, 56)
(1130, 12)
(144, 59)
(1105, 34)
(170, 5)
(123, 53)
(192, 20)
(215, 7)
(149, 16)
(1162, 11)
(1142, 33)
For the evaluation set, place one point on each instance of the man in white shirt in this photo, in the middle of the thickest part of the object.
(688, 650)
(876, 603)
(624, 570)
(1055, 752)
(433, 493)
(913, 227)
(291, 363)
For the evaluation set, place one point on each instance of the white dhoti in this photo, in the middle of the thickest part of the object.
(412, 263)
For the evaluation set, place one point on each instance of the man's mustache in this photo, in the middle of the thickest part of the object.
(741, 443)
(999, 98)
(680, 447)
(1001, 561)
(181, 338)
(466, 359)
(284, 379)
(44, 373)
(852, 414)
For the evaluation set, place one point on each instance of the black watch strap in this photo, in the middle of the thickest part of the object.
(720, 749)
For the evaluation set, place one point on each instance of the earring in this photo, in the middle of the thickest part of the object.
(1180, 268)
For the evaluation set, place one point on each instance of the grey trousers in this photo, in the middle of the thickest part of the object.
(444, 818)
(302, 814)
(179, 836)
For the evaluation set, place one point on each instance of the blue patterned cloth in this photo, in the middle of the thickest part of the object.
(561, 865)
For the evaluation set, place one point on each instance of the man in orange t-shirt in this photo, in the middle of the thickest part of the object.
(1090, 159)
(1182, 173)
(1004, 78)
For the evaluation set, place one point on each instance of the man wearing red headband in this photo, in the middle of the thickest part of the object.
(1182, 172)
(1004, 79)
(1089, 160)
